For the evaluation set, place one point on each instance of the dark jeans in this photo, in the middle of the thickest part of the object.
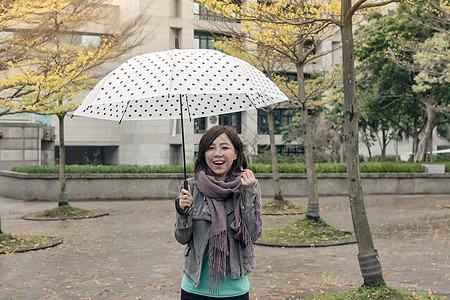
(189, 296)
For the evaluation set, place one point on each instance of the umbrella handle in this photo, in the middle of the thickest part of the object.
(177, 201)
(179, 210)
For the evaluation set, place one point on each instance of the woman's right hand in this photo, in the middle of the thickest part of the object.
(185, 198)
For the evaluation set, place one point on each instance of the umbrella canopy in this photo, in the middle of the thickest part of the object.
(151, 86)
(179, 83)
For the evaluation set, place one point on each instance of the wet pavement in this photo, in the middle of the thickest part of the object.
(132, 254)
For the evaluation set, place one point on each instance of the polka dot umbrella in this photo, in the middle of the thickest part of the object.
(179, 84)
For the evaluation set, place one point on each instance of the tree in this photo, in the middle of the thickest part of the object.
(372, 124)
(315, 17)
(433, 84)
(326, 135)
(393, 98)
(283, 27)
(14, 17)
(326, 13)
(269, 62)
(360, 223)
(431, 69)
(58, 66)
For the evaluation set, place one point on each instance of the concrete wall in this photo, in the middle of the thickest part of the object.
(166, 186)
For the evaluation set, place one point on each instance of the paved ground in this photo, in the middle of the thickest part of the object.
(132, 254)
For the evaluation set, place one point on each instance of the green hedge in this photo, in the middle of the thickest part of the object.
(369, 167)
(104, 169)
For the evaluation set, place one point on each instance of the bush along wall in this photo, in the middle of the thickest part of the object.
(365, 167)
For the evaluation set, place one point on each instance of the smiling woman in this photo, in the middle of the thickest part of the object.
(219, 218)
(220, 156)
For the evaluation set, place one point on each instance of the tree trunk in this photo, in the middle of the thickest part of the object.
(383, 145)
(313, 197)
(367, 143)
(273, 152)
(430, 148)
(63, 196)
(421, 153)
(368, 257)
(415, 143)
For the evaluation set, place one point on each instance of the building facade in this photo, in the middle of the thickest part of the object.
(93, 141)
(159, 142)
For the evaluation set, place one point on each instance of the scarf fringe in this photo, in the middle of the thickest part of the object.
(218, 252)
(214, 283)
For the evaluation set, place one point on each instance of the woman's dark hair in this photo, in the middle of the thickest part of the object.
(208, 138)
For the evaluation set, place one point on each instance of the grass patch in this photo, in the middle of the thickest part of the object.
(282, 207)
(305, 231)
(10, 243)
(65, 212)
(375, 293)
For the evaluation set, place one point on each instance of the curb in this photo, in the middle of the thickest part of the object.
(31, 218)
(55, 242)
(284, 214)
(304, 245)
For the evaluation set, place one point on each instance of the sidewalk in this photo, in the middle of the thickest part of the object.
(131, 254)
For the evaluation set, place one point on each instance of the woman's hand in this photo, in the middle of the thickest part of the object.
(247, 177)
(185, 198)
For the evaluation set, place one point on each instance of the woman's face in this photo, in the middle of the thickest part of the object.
(220, 156)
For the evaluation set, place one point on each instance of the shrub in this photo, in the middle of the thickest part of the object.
(369, 167)
(442, 157)
(83, 169)
(391, 167)
(331, 168)
(260, 168)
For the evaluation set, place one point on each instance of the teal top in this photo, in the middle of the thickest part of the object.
(228, 287)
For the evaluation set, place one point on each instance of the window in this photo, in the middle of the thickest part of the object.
(200, 125)
(281, 117)
(265, 2)
(201, 13)
(234, 120)
(4, 35)
(85, 40)
(283, 149)
(89, 155)
(195, 150)
(336, 55)
(310, 46)
(204, 40)
(175, 154)
(90, 40)
(290, 76)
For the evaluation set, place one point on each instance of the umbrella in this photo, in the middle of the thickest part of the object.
(179, 84)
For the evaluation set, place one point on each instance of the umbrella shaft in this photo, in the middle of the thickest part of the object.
(182, 140)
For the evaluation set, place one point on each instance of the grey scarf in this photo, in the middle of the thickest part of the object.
(215, 193)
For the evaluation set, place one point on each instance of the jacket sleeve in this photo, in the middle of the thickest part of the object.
(183, 226)
(251, 209)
